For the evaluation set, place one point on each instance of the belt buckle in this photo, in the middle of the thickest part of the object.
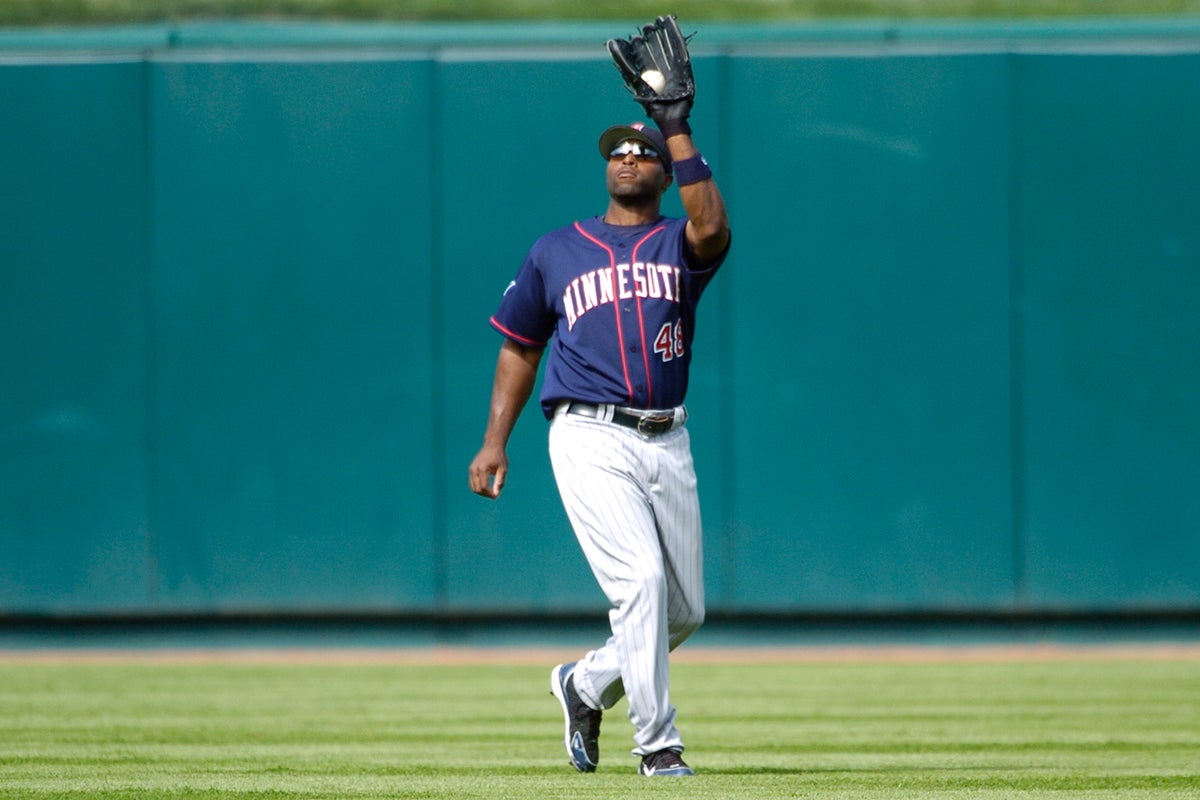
(654, 425)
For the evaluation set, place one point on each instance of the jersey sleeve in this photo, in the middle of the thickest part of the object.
(525, 315)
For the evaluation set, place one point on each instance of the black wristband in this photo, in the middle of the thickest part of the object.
(692, 170)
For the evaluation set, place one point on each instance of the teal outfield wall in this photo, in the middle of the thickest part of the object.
(952, 364)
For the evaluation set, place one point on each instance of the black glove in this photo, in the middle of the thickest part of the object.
(662, 48)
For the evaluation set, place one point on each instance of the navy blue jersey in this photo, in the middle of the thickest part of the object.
(616, 304)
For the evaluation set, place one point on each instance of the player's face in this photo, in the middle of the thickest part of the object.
(635, 173)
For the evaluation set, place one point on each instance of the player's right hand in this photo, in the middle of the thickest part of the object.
(487, 472)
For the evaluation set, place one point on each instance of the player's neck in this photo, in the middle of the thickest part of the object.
(618, 214)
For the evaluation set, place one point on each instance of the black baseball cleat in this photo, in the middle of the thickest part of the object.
(664, 763)
(582, 737)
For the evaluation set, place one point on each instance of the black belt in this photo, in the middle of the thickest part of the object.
(647, 423)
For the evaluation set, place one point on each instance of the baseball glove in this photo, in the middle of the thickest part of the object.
(663, 49)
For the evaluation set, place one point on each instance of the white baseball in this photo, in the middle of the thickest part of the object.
(655, 80)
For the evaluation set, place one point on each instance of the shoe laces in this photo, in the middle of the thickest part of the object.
(665, 759)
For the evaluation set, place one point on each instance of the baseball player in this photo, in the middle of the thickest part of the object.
(612, 300)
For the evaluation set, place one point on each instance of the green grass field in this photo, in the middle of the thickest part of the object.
(1079, 728)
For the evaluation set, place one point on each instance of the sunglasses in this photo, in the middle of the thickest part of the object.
(638, 150)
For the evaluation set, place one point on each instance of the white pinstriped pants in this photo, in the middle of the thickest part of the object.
(633, 503)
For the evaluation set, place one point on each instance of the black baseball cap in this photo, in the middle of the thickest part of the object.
(638, 132)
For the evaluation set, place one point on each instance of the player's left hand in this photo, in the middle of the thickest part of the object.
(662, 48)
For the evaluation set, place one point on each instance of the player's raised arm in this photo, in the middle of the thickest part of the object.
(657, 69)
(708, 223)
(516, 373)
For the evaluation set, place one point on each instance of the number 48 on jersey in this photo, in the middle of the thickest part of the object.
(669, 342)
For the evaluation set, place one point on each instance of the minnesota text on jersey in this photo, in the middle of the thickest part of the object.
(622, 282)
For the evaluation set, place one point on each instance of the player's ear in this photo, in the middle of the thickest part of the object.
(668, 179)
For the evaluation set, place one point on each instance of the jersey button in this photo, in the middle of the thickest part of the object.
(633, 348)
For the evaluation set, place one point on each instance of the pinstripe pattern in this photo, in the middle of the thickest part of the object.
(633, 504)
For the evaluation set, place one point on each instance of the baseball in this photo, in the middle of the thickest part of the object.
(655, 80)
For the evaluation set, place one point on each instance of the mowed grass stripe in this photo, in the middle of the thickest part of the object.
(1098, 729)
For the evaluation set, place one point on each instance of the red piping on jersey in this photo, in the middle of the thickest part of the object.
(642, 321)
(612, 261)
(515, 336)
